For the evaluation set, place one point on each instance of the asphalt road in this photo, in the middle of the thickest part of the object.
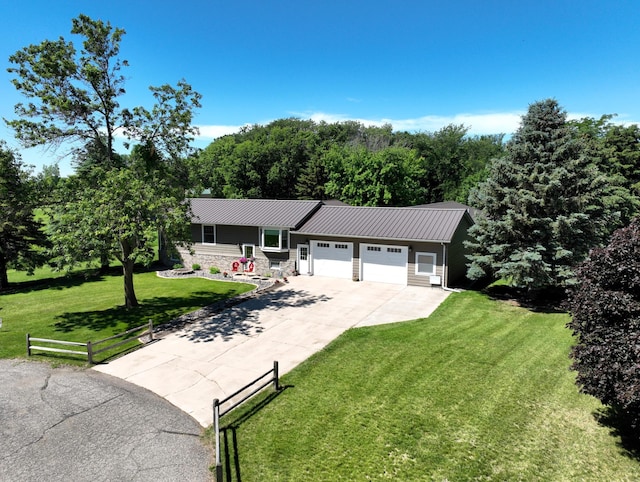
(67, 424)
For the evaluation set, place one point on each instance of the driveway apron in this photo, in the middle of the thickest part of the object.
(215, 356)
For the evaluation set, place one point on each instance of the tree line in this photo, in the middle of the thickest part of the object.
(357, 164)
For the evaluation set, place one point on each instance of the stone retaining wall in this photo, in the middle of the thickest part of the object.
(225, 263)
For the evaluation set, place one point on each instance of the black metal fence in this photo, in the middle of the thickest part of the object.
(256, 385)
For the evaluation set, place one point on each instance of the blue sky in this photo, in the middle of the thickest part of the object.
(418, 65)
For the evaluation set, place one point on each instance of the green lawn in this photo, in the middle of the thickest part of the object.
(481, 390)
(82, 308)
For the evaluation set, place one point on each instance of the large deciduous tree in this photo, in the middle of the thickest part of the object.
(388, 177)
(124, 213)
(605, 311)
(21, 236)
(74, 99)
(453, 161)
(109, 208)
(543, 205)
(73, 96)
(165, 132)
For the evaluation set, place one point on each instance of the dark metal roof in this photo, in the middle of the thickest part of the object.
(473, 212)
(252, 212)
(416, 224)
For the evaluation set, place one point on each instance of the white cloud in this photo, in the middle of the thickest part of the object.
(488, 123)
(478, 124)
(215, 131)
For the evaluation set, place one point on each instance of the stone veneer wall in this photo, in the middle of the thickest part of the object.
(225, 263)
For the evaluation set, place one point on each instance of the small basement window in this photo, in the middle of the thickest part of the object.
(274, 265)
(426, 264)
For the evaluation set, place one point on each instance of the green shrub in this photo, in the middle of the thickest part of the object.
(178, 266)
(195, 266)
(214, 270)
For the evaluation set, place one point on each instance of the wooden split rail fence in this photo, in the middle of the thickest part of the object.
(89, 350)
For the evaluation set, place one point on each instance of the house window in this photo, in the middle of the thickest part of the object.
(394, 250)
(342, 246)
(374, 248)
(208, 234)
(426, 264)
(323, 245)
(274, 239)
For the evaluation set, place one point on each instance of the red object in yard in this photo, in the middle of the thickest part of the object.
(234, 266)
(251, 266)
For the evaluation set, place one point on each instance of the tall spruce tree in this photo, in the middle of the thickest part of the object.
(543, 205)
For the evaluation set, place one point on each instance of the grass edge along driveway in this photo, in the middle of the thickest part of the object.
(480, 390)
(88, 309)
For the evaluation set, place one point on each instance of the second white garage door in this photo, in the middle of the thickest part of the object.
(384, 263)
(332, 258)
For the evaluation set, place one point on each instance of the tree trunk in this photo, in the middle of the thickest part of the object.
(104, 263)
(130, 300)
(4, 279)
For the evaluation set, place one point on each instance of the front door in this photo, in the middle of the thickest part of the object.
(303, 259)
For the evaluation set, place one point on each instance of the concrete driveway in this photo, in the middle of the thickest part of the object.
(69, 424)
(214, 357)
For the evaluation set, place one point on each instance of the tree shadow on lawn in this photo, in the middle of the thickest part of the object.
(243, 318)
(74, 278)
(77, 278)
(619, 425)
(160, 310)
(552, 300)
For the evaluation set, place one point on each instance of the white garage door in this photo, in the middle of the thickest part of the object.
(332, 258)
(384, 263)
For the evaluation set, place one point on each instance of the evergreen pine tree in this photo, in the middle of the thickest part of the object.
(543, 205)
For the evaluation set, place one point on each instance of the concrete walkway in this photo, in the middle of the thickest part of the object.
(214, 357)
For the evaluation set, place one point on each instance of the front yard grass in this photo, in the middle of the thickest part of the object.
(481, 390)
(89, 308)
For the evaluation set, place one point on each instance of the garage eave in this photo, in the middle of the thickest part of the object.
(369, 238)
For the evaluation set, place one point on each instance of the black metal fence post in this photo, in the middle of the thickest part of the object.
(276, 376)
(216, 429)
